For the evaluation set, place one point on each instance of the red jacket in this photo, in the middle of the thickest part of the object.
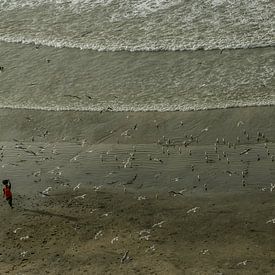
(7, 192)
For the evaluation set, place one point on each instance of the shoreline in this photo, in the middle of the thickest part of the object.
(110, 110)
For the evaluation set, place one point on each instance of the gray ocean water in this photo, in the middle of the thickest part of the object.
(136, 55)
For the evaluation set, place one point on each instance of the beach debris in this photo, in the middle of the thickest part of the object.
(24, 238)
(245, 151)
(125, 257)
(80, 197)
(243, 262)
(115, 239)
(77, 186)
(272, 187)
(23, 253)
(151, 248)
(193, 210)
(159, 224)
(98, 234)
(271, 221)
(141, 198)
(15, 230)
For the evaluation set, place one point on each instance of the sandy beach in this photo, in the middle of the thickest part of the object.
(138, 192)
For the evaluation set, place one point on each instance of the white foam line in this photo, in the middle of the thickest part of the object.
(138, 108)
(61, 43)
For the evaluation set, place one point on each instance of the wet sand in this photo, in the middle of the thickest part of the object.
(179, 200)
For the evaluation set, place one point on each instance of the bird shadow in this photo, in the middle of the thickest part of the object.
(47, 213)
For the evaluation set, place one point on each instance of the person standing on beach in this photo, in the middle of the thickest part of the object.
(7, 192)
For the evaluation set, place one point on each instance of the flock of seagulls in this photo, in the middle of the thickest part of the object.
(166, 145)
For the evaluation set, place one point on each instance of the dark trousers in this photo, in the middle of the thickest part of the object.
(9, 200)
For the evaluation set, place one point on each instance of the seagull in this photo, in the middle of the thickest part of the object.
(204, 130)
(193, 210)
(272, 187)
(98, 234)
(271, 221)
(24, 238)
(146, 237)
(159, 224)
(24, 253)
(115, 239)
(141, 198)
(93, 210)
(152, 248)
(245, 151)
(47, 190)
(15, 230)
(81, 197)
(125, 257)
(147, 231)
(77, 187)
(106, 214)
(240, 123)
(243, 262)
(158, 160)
(74, 158)
(97, 188)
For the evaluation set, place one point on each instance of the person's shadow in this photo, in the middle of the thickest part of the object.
(47, 213)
